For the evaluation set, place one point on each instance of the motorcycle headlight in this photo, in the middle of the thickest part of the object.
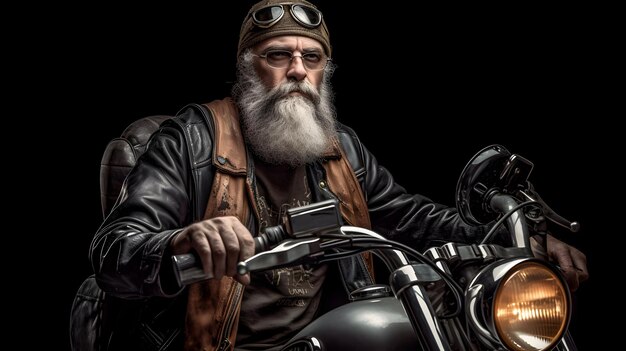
(524, 303)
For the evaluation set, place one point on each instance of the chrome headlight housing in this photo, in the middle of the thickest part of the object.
(523, 304)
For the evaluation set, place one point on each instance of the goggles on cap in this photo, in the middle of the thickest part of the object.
(268, 16)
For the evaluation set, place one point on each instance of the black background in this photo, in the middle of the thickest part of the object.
(424, 88)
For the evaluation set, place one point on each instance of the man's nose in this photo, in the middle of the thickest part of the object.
(296, 68)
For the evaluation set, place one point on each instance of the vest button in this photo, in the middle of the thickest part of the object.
(322, 184)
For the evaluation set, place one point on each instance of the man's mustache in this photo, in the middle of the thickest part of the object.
(302, 87)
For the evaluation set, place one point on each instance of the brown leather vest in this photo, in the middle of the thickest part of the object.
(213, 307)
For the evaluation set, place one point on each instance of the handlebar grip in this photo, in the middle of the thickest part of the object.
(188, 267)
(271, 237)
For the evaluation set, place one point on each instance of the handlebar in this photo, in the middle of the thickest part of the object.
(515, 221)
(408, 280)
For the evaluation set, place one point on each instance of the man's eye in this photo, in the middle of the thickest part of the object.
(279, 55)
(312, 57)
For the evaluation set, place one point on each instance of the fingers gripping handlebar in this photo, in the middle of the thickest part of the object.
(188, 267)
(299, 222)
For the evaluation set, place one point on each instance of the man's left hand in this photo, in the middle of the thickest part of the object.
(573, 262)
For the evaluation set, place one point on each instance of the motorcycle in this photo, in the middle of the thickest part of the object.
(457, 296)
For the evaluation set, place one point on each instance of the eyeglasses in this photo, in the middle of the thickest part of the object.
(307, 16)
(312, 61)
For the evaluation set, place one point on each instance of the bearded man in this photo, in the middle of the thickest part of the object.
(293, 152)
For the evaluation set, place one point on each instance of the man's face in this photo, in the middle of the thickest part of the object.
(287, 113)
(297, 45)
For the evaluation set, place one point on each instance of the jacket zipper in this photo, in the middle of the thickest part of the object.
(225, 344)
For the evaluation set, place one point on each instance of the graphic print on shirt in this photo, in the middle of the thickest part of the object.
(271, 213)
(294, 283)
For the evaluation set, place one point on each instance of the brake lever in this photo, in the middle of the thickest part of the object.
(530, 195)
(288, 253)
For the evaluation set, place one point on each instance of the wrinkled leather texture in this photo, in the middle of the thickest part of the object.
(121, 155)
(169, 188)
(86, 316)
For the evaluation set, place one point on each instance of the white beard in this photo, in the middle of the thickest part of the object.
(281, 128)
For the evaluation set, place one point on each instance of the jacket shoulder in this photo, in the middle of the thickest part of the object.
(196, 125)
(193, 118)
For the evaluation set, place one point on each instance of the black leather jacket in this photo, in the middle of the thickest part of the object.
(169, 188)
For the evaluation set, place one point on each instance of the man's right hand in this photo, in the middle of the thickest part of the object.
(220, 243)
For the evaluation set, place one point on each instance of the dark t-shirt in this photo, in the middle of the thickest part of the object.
(279, 302)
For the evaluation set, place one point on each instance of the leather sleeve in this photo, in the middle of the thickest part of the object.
(128, 250)
(412, 219)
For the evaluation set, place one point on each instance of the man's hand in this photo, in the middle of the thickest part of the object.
(220, 243)
(572, 261)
